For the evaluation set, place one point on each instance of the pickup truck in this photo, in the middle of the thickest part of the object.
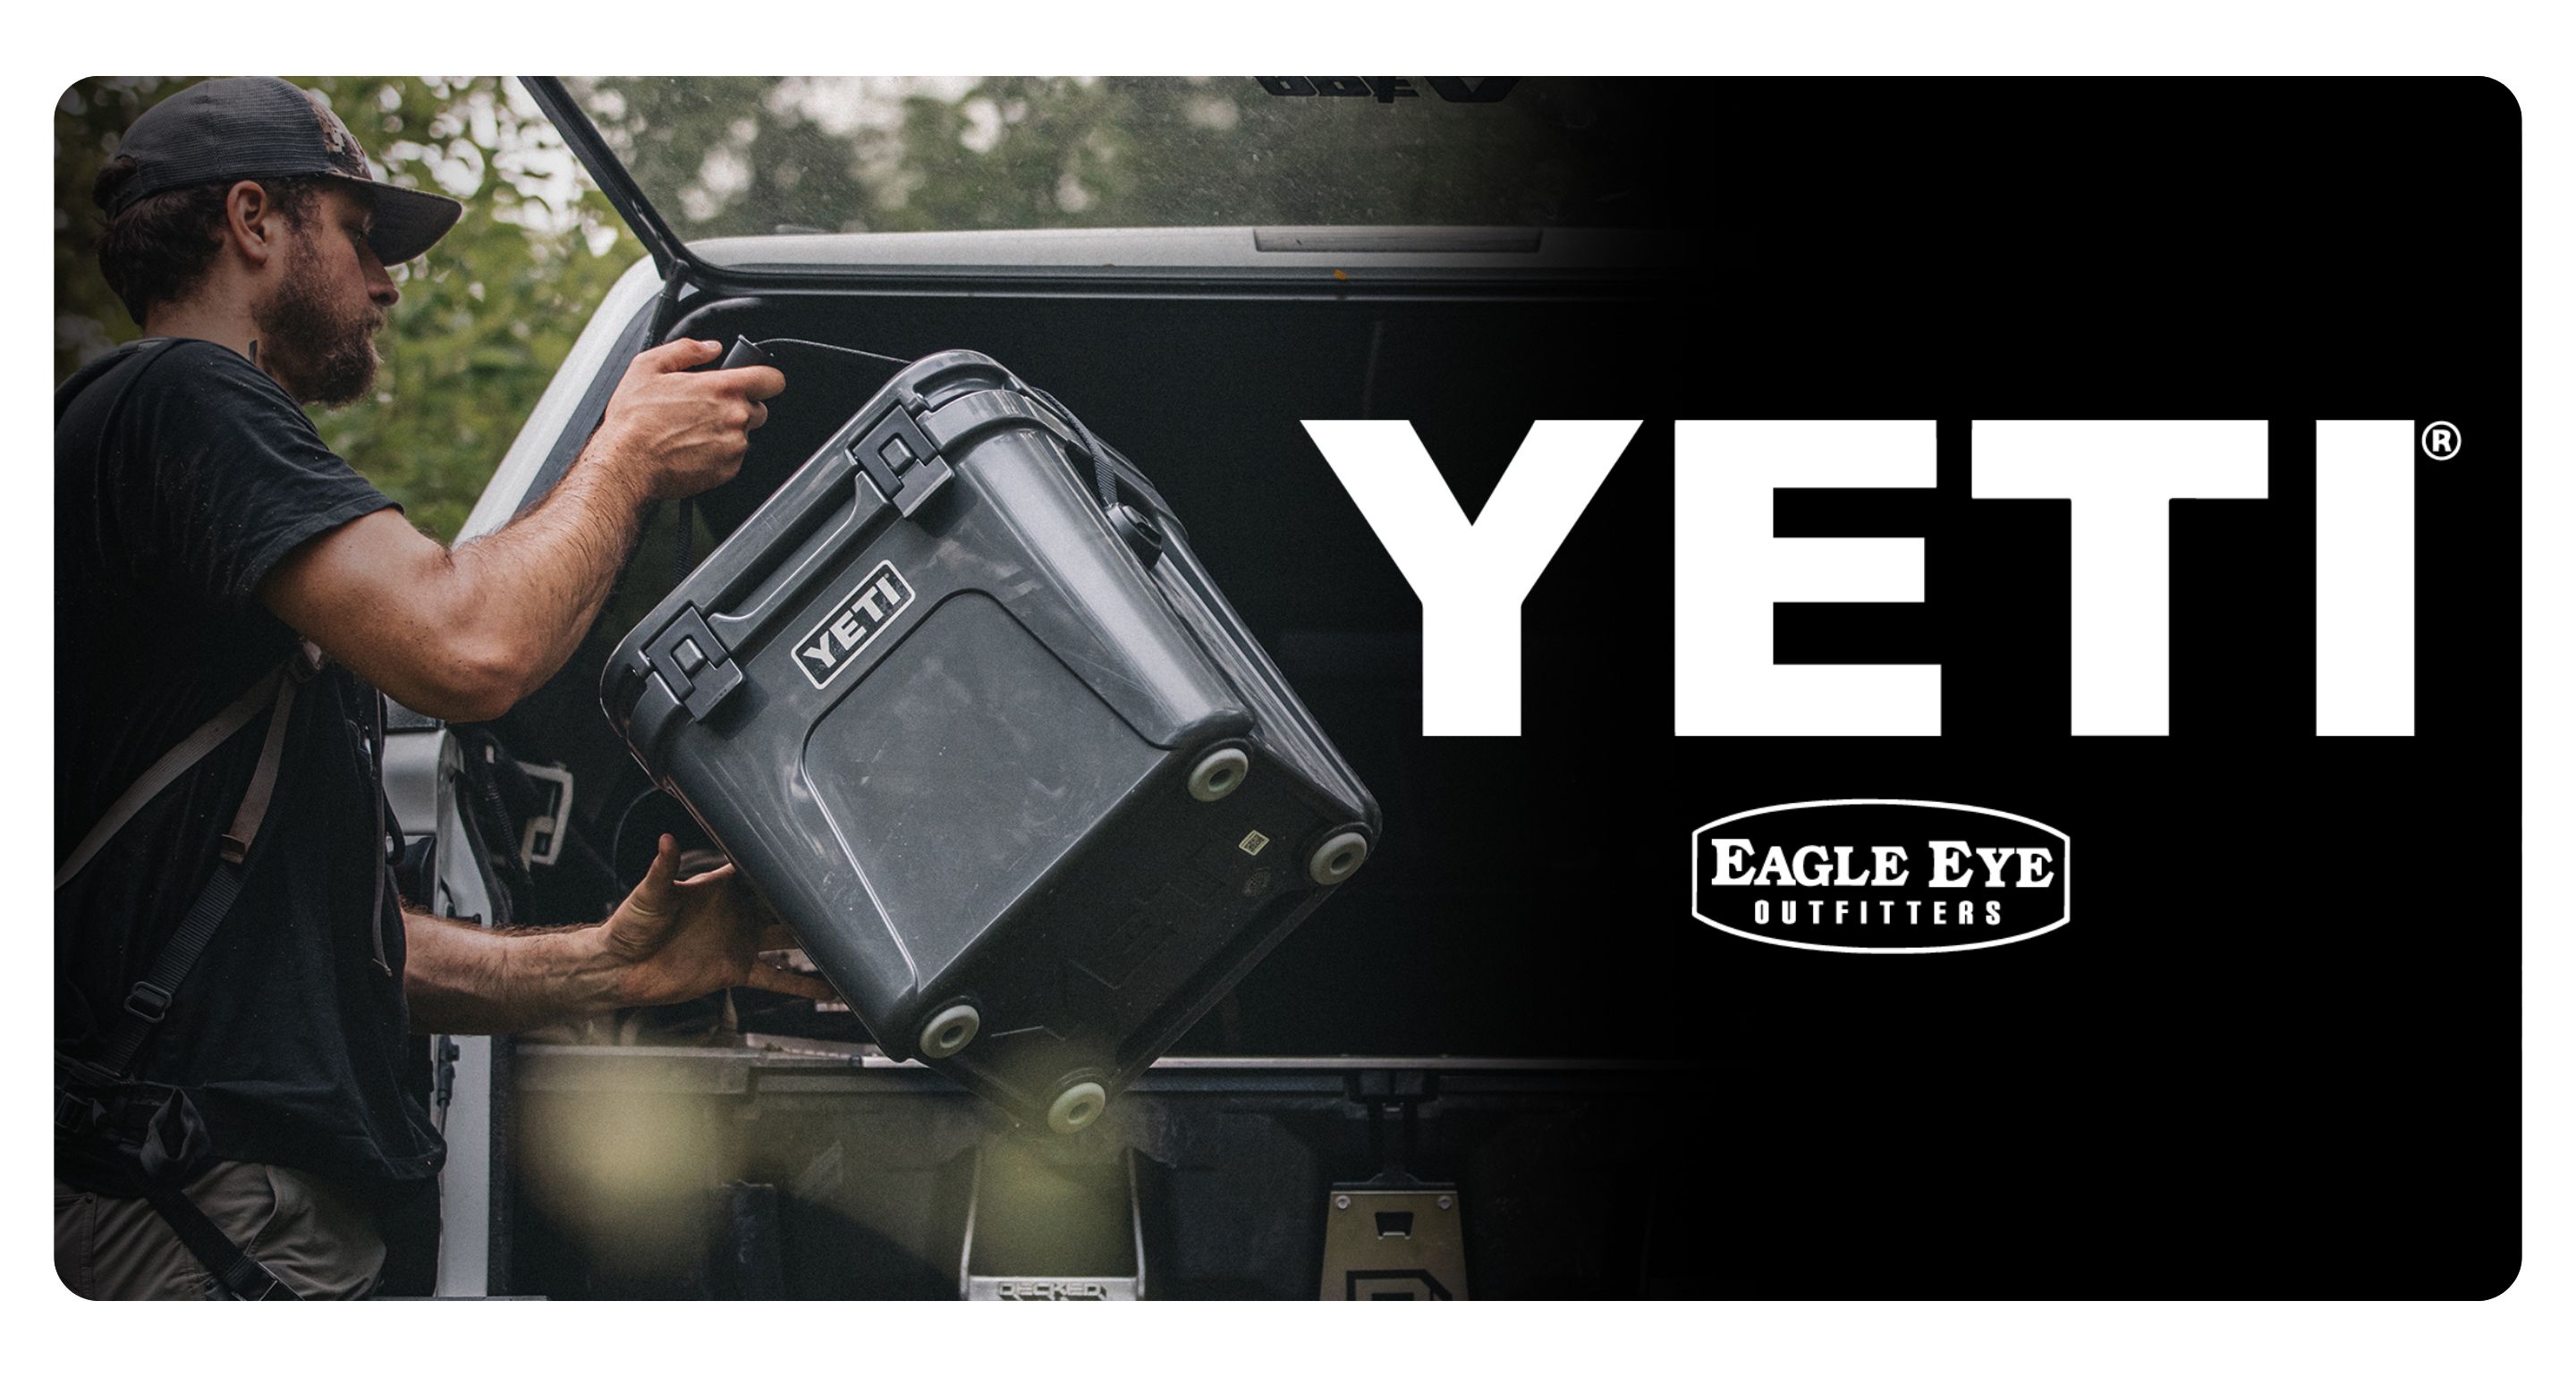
(1373, 1114)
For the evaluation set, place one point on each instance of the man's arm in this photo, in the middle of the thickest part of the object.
(671, 940)
(465, 633)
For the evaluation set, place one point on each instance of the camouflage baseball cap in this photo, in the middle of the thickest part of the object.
(238, 127)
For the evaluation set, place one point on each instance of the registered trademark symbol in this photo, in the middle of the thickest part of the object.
(2441, 440)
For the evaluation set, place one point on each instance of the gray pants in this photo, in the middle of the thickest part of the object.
(316, 1238)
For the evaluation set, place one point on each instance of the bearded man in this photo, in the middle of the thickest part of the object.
(235, 978)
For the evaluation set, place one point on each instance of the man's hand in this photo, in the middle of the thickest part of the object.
(671, 940)
(676, 939)
(673, 433)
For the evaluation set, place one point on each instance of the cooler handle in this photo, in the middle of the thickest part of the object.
(953, 424)
(735, 567)
(788, 588)
(692, 652)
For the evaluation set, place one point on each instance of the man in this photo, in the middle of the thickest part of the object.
(234, 980)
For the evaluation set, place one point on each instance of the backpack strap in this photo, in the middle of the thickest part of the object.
(149, 1001)
(149, 1146)
(106, 380)
(171, 1146)
(177, 761)
(169, 1149)
(240, 1273)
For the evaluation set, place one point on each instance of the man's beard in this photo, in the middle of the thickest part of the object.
(317, 353)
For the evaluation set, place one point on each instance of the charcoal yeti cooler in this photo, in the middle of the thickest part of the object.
(961, 702)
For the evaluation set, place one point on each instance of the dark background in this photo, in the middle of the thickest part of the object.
(2274, 1054)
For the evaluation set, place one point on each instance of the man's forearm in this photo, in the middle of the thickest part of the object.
(462, 978)
(670, 940)
(466, 633)
(543, 578)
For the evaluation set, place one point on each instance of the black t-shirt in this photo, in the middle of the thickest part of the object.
(181, 478)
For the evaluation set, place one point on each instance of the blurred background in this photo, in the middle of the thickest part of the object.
(489, 314)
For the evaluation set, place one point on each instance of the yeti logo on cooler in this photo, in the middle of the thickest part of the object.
(852, 624)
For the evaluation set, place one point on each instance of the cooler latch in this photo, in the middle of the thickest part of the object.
(693, 664)
(900, 459)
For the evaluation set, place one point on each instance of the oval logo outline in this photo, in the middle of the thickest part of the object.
(2065, 872)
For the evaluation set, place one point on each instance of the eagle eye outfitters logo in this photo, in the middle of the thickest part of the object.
(1880, 875)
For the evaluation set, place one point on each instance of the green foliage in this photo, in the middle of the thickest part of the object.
(761, 155)
(486, 317)
(489, 314)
